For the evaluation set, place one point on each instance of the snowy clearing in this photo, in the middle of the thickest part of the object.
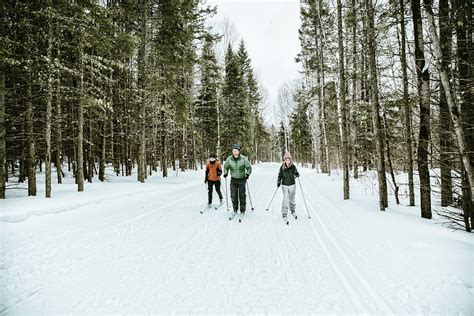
(127, 247)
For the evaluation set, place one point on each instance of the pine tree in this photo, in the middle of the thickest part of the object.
(234, 105)
(207, 102)
(300, 128)
(256, 122)
(245, 106)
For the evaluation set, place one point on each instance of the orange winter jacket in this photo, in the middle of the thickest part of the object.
(213, 171)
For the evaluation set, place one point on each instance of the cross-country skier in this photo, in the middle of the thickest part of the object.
(213, 178)
(240, 169)
(286, 176)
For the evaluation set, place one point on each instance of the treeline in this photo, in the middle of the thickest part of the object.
(85, 84)
(378, 94)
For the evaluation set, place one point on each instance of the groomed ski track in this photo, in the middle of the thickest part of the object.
(153, 252)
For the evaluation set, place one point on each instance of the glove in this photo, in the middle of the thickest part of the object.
(225, 175)
(219, 172)
(278, 184)
(297, 175)
(205, 180)
(247, 177)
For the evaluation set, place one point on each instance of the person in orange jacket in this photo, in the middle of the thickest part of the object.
(213, 178)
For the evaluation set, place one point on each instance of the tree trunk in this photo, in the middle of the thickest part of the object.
(31, 141)
(3, 154)
(194, 150)
(322, 151)
(353, 117)
(90, 154)
(164, 160)
(445, 126)
(122, 147)
(342, 102)
(155, 150)
(80, 118)
(142, 86)
(383, 198)
(467, 206)
(49, 107)
(173, 149)
(23, 161)
(103, 149)
(455, 109)
(465, 57)
(218, 115)
(318, 48)
(59, 149)
(407, 106)
(128, 151)
(113, 153)
(114, 148)
(321, 84)
(184, 160)
(389, 160)
(423, 80)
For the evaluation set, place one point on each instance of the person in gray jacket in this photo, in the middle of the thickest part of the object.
(286, 176)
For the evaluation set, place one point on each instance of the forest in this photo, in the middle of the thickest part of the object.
(140, 85)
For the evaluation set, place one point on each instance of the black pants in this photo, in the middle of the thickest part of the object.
(217, 184)
(237, 193)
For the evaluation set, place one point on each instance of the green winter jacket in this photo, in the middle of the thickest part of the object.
(238, 167)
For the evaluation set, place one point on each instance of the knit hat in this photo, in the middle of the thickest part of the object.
(287, 155)
(212, 156)
(236, 146)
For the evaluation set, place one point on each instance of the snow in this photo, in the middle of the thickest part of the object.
(130, 247)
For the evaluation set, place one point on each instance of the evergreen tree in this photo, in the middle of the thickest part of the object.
(234, 106)
(207, 101)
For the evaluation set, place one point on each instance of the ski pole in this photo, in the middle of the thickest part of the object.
(251, 204)
(304, 198)
(226, 195)
(269, 204)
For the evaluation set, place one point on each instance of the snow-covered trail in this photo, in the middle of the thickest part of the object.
(151, 251)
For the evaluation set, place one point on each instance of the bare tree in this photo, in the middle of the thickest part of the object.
(406, 105)
(453, 106)
(445, 126)
(229, 34)
(342, 101)
(423, 83)
(383, 198)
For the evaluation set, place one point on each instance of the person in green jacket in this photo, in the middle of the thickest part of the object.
(240, 169)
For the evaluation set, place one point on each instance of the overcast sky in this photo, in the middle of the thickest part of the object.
(270, 31)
